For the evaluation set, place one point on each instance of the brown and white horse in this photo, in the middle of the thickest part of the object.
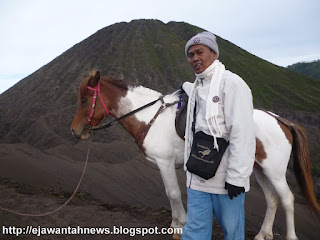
(156, 136)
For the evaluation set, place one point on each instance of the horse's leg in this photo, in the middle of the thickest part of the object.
(169, 177)
(274, 153)
(275, 168)
(287, 199)
(274, 181)
(272, 204)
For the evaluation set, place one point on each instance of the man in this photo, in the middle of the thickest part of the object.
(224, 109)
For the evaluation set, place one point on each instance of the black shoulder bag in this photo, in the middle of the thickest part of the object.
(204, 159)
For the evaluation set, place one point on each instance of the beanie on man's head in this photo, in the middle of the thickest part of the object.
(205, 38)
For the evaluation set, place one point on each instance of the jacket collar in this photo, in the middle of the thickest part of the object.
(207, 74)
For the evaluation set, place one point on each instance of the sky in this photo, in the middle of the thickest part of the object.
(34, 32)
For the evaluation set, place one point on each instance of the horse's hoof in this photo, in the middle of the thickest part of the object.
(176, 236)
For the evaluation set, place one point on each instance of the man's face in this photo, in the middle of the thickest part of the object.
(200, 57)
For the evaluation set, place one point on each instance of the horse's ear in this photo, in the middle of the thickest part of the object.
(94, 79)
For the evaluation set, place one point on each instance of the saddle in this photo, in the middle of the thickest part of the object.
(181, 113)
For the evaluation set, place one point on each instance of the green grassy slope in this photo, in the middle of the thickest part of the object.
(311, 69)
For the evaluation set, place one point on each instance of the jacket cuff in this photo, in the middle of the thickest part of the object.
(236, 181)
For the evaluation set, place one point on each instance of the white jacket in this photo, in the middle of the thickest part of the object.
(235, 121)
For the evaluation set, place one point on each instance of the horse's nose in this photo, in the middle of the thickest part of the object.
(74, 134)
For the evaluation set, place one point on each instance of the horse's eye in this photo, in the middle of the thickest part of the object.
(83, 100)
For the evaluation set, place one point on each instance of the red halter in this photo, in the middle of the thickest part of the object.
(96, 92)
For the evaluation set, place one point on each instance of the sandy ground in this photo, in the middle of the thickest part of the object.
(127, 192)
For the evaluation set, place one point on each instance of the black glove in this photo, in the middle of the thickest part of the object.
(233, 191)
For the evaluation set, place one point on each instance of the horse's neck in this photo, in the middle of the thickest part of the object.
(135, 98)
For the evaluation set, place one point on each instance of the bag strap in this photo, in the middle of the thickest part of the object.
(194, 119)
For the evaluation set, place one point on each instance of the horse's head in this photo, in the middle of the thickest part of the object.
(91, 110)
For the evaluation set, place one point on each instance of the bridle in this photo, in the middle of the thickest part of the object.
(97, 92)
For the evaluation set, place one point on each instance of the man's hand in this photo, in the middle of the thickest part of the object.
(233, 191)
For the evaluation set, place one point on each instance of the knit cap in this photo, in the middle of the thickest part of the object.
(205, 38)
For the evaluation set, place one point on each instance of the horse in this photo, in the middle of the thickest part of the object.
(154, 130)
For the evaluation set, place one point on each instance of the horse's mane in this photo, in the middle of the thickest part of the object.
(120, 83)
(117, 82)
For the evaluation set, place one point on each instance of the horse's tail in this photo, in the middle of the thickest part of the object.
(301, 164)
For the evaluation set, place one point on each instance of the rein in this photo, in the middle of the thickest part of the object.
(111, 123)
(97, 93)
(66, 202)
(143, 133)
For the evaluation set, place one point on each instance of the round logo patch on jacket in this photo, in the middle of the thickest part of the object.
(215, 99)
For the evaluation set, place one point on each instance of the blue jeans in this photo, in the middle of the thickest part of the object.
(202, 207)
